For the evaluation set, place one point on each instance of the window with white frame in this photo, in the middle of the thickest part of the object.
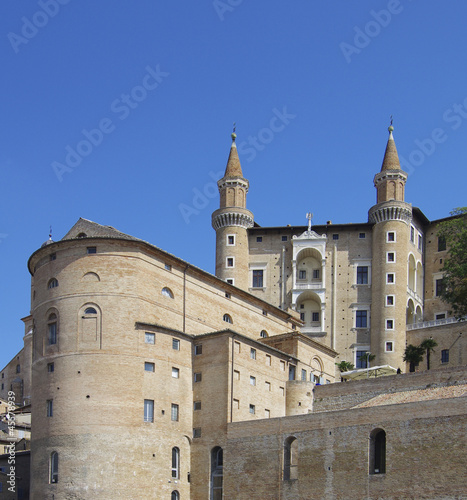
(175, 344)
(389, 346)
(391, 236)
(362, 275)
(390, 257)
(390, 278)
(389, 324)
(252, 353)
(231, 240)
(257, 278)
(175, 463)
(149, 338)
(149, 410)
(390, 300)
(230, 262)
(361, 318)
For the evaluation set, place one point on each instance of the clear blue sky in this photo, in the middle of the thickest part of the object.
(310, 84)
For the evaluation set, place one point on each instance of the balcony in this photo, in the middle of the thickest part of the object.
(414, 295)
(428, 324)
(309, 285)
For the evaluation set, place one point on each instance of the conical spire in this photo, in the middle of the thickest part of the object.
(391, 158)
(233, 168)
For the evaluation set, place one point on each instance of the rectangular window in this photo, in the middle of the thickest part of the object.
(282, 391)
(390, 278)
(257, 278)
(236, 375)
(440, 316)
(259, 239)
(198, 349)
(389, 324)
(197, 432)
(175, 344)
(390, 257)
(412, 234)
(389, 346)
(362, 275)
(292, 369)
(420, 241)
(284, 238)
(441, 244)
(50, 367)
(391, 236)
(236, 404)
(230, 262)
(335, 236)
(302, 316)
(268, 386)
(227, 295)
(268, 360)
(50, 407)
(252, 409)
(315, 317)
(252, 380)
(231, 240)
(252, 353)
(267, 413)
(389, 300)
(149, 410)
(198, 377)
(445, 356)
(439, 287)
(174, 413)
(168, 267)
(362, 235)
(197, 405)
(53, 256)
(303, 374)
(175, 372)
(361, 359)
(149, 367)
(316, 274)
(361, 319)
(282, 363)
(150, 338)
(302, 275)
(237, 347)
(90, 250)
(52, 333)
(230, 281)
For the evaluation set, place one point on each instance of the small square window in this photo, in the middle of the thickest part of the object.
(197, 405)
(149, 338)
(175, 344)
(390, 257)
(252, 353)
(149, 367)
(90, 250)
(252, 409)
(362, 236)
(230, 262)
(198, 349)
(252, 380)
(231, 240)
(389, 300)
(197, 432)
(175, 372)
(389, 346)
(259, 239)
(53, 256)
(316, 274)
(50, 367)
(168, 267)
(284, 238)
(268, 386)
(389, 324)
(315, 317)
(265, 313)
(390, 278)
(391, 236)
(227, 295)
(198, 377)
(335, 236)
(230, 281)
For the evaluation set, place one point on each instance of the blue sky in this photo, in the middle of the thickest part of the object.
(121, 112)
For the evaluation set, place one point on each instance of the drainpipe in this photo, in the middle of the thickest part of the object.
(184, 297)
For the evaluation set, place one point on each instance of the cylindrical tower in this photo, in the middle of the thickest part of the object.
(231, 222)
(391, 217)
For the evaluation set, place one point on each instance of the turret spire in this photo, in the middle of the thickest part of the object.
(391, 158)
(233, 168)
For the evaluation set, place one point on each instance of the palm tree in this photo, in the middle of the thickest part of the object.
(345, 366)
(413, 354)
(368, 357)
(428, 345)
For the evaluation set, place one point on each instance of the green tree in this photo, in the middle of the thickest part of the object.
(345, 366)
(429, 346)
(454, 290)
(413, 355)
(368, 357)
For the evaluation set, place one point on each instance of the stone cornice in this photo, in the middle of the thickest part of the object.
(391, 210)
(233, 216)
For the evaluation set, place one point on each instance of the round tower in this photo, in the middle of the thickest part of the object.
(391, 217)
(231, 222)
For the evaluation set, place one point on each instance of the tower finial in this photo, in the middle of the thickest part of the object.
(390, 128)
(309, 216)
(50, 233)
(234, 135)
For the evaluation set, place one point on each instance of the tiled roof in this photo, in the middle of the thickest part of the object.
(391, 158)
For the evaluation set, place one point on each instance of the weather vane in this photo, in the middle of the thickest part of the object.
(391, 121)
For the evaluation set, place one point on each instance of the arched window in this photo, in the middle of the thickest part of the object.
(167, 292)
(217, 474)
(290, 458)
(175, 463)
(175, 495)
(263, 334)
(53, 283)
(90, 310)
(227, 318)
(52, 329)
(377, 452)
(53, 467)
(82, 235)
